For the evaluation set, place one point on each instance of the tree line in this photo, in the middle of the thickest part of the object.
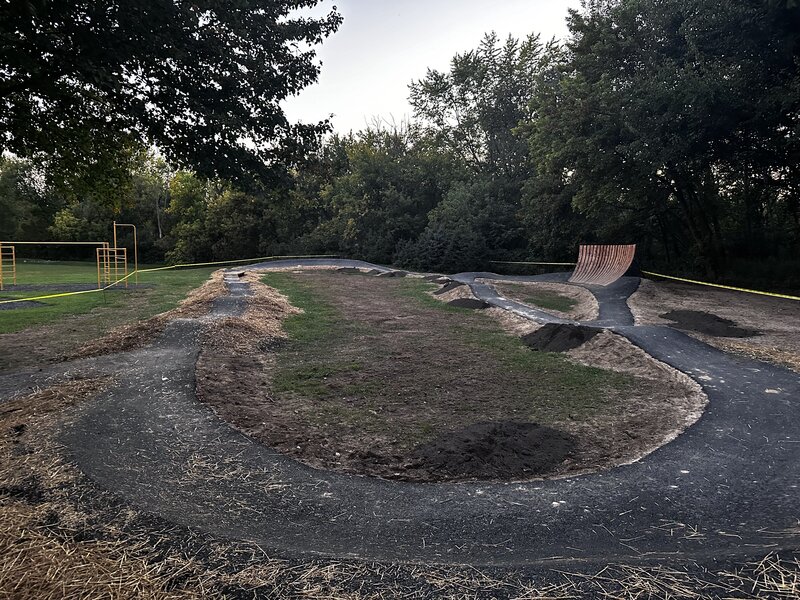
(670, 124)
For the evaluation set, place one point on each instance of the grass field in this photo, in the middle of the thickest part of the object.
(39, 271)
(157, 292)
(40, 334)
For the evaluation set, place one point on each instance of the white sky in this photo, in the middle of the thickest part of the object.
(384, 45)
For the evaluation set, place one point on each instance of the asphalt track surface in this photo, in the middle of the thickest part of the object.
(725, 490)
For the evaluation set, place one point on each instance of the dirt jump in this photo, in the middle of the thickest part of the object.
(726, 489)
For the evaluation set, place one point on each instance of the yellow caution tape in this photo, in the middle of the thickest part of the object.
(179, 266)
(724, 287)
(231, 262)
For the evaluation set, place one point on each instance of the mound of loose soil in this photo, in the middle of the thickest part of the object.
(707, 323)
(559, 337)
(499, 450)
(448, 287)
(357, 271)
(469, 303)
(393, 274)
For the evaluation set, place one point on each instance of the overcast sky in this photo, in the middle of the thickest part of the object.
(383, 45)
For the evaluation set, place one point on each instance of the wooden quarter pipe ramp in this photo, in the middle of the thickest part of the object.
(602, 264)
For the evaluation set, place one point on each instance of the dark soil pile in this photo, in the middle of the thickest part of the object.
(449, 286)
(559, 337)
(356, 271)
(500, 450)
(393, 274)
(707, 323)
(469, 303)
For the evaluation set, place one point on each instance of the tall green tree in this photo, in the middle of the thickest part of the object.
(82, 80)
(653, 101)
(473, 109)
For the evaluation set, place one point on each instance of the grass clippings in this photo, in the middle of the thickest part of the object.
(261, 323)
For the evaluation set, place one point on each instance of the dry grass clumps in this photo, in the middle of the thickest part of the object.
(261, 321)
(37, 563)
(128, 337)
(50, 548)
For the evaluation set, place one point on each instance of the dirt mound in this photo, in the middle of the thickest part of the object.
(707, 323)
(559, 337)
(437, 279)
(393, 274)
(448, 287)
(469, 303)
(500, 450)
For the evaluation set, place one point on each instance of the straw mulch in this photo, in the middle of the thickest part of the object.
(260, 323)
(128, 337)
(49, 548)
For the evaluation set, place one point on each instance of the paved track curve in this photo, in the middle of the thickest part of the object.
(724, 490)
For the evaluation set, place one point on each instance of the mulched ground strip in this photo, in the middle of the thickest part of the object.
(559, 337)
(707, 323)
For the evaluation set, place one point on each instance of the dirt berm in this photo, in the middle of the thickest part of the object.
(559, 337)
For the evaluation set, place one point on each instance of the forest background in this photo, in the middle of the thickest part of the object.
(673, 125)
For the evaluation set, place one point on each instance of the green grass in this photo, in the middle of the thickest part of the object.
(161, 291)
(568, 380)
(541, 298)
(318, 365)
(311, 333)
(39, 271)
(419, 290)
(311, 380)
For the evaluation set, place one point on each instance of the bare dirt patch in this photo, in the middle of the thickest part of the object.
(775, 320)
(577, 303)
(385, 380)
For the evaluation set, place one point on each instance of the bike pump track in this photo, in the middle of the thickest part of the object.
(725, 489)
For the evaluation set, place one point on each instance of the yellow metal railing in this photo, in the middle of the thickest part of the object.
(8, 265)
(112, 266)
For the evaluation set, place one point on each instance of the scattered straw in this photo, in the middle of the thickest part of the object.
(128, 337)
(260, 323)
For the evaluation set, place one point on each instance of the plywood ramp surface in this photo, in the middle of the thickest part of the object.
(602, 264)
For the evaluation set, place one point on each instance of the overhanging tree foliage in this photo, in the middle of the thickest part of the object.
(202, 79)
